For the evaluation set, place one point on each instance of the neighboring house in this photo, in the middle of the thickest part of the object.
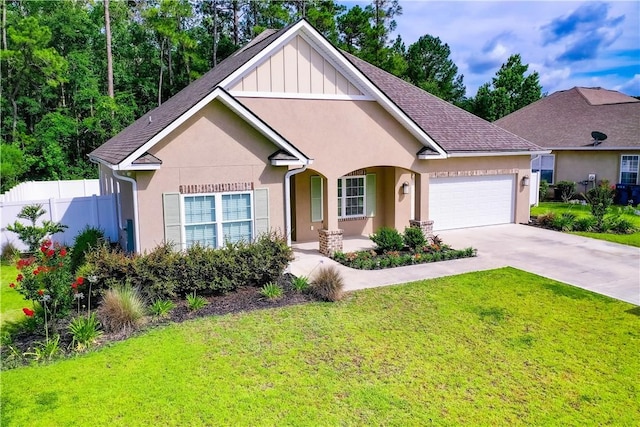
(564, 121)
(292, 134)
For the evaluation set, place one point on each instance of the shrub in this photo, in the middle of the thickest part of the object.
(45, 278)
(271, 290)
(88, 238)
(161, 308)
(566, 190)
(564, 222)
(387, 239)
(9, 252)
(414, 237)
(46, 350)
(585, 223)
(154, 273)
(85, 331)
(121, 309)
(617, 224)
(195, 302)
(544, 190)
(109, 266)
(301, 283)
(546, 219)
(599, 199)
(328, 284)
(33, 235)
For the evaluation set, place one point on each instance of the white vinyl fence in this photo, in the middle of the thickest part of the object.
(74, 212)
(39, 190)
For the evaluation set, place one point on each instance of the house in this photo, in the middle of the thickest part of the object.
(292, 134)
(572, 124)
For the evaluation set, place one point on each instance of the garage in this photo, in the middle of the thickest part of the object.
(471, 201)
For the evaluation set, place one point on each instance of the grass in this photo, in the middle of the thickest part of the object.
(632, 239)
(11, 301)
(501, 347)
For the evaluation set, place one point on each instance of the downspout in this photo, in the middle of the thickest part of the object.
(136, 219)
(287, 199)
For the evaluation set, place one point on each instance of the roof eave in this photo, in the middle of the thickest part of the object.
(498, 153)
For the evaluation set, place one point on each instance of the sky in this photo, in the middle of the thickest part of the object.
(588, 43)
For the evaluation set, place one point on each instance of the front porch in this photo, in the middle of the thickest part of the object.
(333, 212)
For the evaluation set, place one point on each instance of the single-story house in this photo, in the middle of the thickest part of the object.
(292, 134)
(572, 124)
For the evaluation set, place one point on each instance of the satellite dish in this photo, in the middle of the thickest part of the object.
(598, 137)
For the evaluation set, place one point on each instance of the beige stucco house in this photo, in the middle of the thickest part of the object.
(292, 134)
(564, 121)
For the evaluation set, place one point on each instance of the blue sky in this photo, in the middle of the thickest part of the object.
(589, 43)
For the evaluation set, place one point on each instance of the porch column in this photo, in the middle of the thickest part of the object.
(422, 220)
(330, 238)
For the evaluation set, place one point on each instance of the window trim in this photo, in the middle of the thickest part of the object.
(343, 198)
(637, 171)
(539, 170)
(220, 221)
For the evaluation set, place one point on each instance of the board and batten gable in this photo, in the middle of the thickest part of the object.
(296, 68)
(213, 147)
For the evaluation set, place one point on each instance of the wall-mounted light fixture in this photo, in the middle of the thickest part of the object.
(525, 181)
(405, 188)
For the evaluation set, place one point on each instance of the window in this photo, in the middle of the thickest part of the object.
(200, 220)
(351, 196)
(629, 169)
(545, 165)
(212, 220)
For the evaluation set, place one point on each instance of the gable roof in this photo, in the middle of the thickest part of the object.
(453, 128)
(565, 120)
(447, 129)
(118, 148)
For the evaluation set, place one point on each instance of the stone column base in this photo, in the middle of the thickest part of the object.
(330, 241)
(425, 226)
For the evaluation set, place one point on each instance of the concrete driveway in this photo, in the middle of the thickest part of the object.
(607, 268)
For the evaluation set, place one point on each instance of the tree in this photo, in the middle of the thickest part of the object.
(31, 234)
(30, 62)
(509, 91)
(429, 67)
(107, 32)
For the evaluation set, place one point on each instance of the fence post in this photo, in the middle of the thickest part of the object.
(95, 218)
(53, 211)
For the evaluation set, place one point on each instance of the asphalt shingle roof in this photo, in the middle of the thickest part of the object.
(565, 119)
(454, 129)
(146, 127)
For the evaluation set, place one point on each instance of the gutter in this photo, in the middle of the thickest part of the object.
(499, 153)
(287, 198)
(136, 218)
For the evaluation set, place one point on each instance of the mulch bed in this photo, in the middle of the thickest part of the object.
(244, 299)
(247, 298)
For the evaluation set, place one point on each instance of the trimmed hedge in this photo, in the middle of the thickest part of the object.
(165, 273)
(370, 260)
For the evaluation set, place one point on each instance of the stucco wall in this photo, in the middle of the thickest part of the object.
(577, 165)
(214, 146)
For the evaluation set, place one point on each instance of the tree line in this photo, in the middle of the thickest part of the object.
(76, 72)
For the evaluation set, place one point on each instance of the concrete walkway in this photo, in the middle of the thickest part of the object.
(606, 268)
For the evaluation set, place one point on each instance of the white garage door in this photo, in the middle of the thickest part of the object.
(460, 202)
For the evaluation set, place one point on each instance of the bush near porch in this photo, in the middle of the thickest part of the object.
(395, 250)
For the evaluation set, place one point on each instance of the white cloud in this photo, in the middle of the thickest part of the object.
(470, 27)
(631, 87)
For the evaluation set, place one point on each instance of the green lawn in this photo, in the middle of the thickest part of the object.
(580, 211)
(11, 302)
(501, 347)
